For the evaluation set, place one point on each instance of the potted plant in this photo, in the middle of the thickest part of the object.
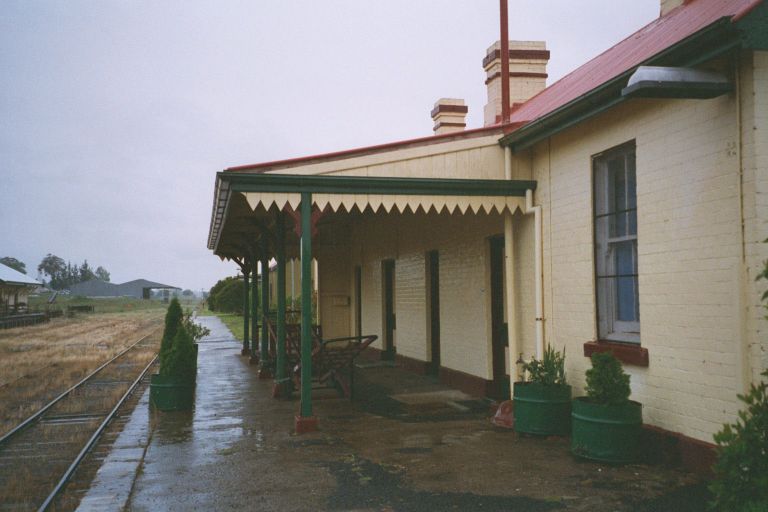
(543, 402)
(606, 423)
(173, 388)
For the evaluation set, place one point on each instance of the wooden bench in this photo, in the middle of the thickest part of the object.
(292, 340)
(333, 363)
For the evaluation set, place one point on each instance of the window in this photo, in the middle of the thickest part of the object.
(618, 311)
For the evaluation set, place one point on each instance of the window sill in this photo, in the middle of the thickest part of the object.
(626, 353)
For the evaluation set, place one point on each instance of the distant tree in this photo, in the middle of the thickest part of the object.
(53, 267)
(85, 272)
(101, 273)
(14, 264)
(226, 296)
(187, 293)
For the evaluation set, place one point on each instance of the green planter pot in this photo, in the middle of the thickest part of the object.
(197, 350)
(542, 410)
(171, 394)
(606, 433)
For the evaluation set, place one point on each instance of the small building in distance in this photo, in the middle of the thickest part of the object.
(14, 290)
(138, 288)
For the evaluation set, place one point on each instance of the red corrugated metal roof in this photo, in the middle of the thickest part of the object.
(655, 37)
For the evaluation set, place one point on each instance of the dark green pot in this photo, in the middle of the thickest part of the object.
(171, 394)
(542, 410)
(606, 433)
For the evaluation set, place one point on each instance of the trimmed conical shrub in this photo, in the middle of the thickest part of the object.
(181, 360)
(173, 320)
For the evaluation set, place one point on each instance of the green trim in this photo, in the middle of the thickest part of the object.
(320, 184)
(264, 302)
(254, 314)
(246, 290)
(306, 305)
(280, 362)
(710, 42)
(754, 28)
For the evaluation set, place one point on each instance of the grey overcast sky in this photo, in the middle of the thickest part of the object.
(116, 114)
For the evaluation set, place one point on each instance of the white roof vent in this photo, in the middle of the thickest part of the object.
(669, 82)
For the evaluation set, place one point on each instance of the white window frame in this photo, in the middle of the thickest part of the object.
(609, 328)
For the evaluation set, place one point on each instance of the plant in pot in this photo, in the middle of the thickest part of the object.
(195, 330)
(543, 402)
(173, 388)
(606, 423)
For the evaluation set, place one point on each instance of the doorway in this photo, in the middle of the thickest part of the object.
(389, 320)
(499, 340)
(433, 304)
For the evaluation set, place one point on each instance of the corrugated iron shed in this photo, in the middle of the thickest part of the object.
(14, 277)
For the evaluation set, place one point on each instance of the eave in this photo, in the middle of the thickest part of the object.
(713, 41)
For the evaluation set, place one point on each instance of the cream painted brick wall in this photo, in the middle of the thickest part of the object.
(462, 244)
(689, 253)
(754, 79)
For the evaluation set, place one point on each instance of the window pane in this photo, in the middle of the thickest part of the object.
(601, 189)
(603, 263)
(606, 289)
(625, 258)
(626, 310)
(619, 184)
(631, 182)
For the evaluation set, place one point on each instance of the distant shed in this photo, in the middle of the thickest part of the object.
(138, 288)
(95, 288)
(141, 288)
(14, 289)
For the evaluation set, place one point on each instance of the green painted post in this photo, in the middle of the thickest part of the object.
(280, 363)
(264, 304)
(254, 312)
(306, 305)
(245, 310)
(255, 319)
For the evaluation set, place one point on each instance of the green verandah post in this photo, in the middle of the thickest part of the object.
(254, 310)
(265, 371)
(246, 272)
(305, 422)
(282, 384)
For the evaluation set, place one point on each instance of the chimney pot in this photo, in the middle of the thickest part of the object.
(527, 75)
(449, 115)
(668, 5)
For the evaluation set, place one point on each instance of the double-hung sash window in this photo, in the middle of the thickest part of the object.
(618, 311)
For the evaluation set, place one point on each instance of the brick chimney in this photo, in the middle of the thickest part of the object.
(527, 75)
(668, 5)
(449, 115)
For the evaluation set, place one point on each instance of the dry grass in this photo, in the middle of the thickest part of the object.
(39, 362)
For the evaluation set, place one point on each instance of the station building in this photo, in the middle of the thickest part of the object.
(623, 208)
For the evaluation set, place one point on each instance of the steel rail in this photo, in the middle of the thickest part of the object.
(92, 441)
(24, 424)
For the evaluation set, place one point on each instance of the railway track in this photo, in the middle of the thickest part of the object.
(39, 457)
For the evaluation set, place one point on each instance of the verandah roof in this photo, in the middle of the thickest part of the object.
(265, 192)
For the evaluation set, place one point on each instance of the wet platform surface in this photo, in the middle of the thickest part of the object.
(405, 443)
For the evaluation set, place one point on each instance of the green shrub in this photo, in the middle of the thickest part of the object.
(741, 470)
(550, 370)
(607, 383)
(181, 360)
(173, 319)
(226, 296)
(194, 329)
